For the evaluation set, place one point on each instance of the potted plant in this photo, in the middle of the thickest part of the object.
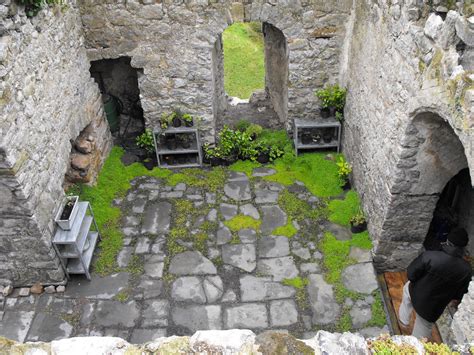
(306, 138)
(324, 96)
(358, 222)
(212, 155)
(145, 141)
(183, 141)
(176, 119)
(170, 141)
(67, 212)
(254, 130)
(333, 99)
(188, 120)
(316, 137)
(344, 170)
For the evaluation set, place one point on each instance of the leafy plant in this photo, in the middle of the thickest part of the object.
(358, 218)
(145, 141)
(187, 118)
(384, 345)
(242, 125)
(254, 130)
(339, 116)
(332, 96)
(344, 169)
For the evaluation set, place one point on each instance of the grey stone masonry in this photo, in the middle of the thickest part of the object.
(47, 98)
(174, 43)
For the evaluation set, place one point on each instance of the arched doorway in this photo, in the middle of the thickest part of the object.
(268, 108)
(431, 155)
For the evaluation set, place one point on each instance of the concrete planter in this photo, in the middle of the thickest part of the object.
(66, 224)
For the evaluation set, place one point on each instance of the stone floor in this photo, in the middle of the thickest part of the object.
(231, 280)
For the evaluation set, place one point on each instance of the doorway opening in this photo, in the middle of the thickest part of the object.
(455, 208)
(250, 72)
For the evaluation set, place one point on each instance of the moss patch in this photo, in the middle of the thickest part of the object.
(296, 282)
(242, 222)
(297, 208)
(378, 312)
(317, 173)
(341, 211)
(287, 230)
(245, 166)
(212, 180)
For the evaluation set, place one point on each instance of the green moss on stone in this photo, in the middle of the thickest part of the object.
(296, 282)
(244, 166)
(288, 230)
(240, 222)
(341, 211)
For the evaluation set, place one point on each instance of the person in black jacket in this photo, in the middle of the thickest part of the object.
(435, 278)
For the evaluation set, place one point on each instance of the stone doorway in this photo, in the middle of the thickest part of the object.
(118, 80)
(267, 107)
(454, 208)
(431, 155)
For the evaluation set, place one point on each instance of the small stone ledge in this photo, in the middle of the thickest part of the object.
(234, 341)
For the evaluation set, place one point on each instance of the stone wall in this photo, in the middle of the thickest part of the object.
(218, 342)
(47, 97)
(409, 118)
(174, 42)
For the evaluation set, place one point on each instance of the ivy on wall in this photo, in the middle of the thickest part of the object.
(32, 7)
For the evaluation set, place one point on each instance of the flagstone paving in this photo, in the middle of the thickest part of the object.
(214, 276)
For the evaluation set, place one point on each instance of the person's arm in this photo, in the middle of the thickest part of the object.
(463, 289)
(417, 268)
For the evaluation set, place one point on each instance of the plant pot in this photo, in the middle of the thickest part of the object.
(325, 112)
(306, 138)
(67, 212)
(327, 138)
(332, 111)
(185, 143)
(215, 161)
(347, 185)
(188, 123)
(170, 143)
(176, 122)
(358, 228)
(316, 139)
(149, 164)
(263, 158)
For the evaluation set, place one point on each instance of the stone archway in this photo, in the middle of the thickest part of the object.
(431, 155)
(274, 99)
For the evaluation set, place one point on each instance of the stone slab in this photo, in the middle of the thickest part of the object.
(273, 217)
(247, 316)
(279, 268)
(360, 278)
(117, 314)
(263, 288)
(157, 218)
(238, 190)
(273, 246)
(247, 236)
(155, 313)
(98, 288)
(249, 210)
(323, 303)
(141, 336)
(188, 288)
(228, 211)
(242, 256)
(191, 263)
(283, 313)
(265, 196)
(48, 327)
(195, 318)
(261, 172)
(15, 324)
(361, 255)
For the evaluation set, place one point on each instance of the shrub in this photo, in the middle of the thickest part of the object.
(145, 141)
(254, 130)
(332, 96)
(344, 169)
(32, 7)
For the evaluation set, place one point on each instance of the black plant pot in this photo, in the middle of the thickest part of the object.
(185, 143)
(306, 138)
(149, 164)
(215, 161)
(176, 122)
(358, 228)
(188, 123)
(327, 138)
(170, 143)
(325, 112)
(263, 158)
(332, 111)
(347, 185)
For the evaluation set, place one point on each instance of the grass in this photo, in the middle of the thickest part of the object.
(296, 282)
(244, 59)
(336, 259)
(297, 208)
(288, 230)
(378, 312)
(341, 211)
(113, 182)
(317, 173)
(244, 166)
(212, 180)
(243, 222)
